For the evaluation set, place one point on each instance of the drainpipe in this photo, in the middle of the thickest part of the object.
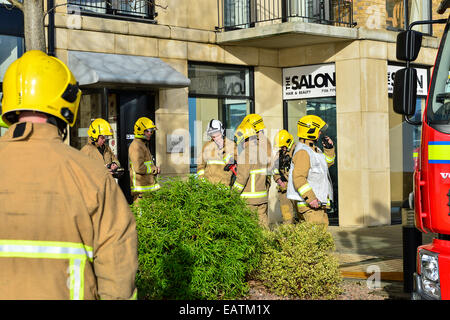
(406, 10)
(51, 27)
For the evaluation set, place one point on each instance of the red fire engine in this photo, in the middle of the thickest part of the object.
(432, 174)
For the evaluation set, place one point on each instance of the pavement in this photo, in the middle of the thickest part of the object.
(363, 251)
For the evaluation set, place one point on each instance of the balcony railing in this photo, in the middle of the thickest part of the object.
(120, 8)
(239, 14)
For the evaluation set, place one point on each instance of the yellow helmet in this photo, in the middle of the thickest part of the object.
(244, 131)
(256, 121)
(141, 125)
(308, 127)
(283, 139)
(99, 127)
(38, 82)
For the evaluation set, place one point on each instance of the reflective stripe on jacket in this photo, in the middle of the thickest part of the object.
(142, 169)
(317, 184)
(67, 231)
(251, 175)
(213, 160)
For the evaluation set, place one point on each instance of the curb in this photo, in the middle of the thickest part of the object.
(387, 276)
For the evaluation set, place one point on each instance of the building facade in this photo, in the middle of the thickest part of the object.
(183, 63)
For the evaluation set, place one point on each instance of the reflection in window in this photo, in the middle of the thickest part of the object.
(236, 13)
(417, 9)
(90, 109)
(404, 145)
(230, 112)
(325, 108)
(219, 80)
(440, 98)
(222, 92)
(11, 48)
(121, 7)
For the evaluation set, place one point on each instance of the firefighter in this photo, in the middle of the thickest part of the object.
(143, 169)
(67, 231)
(251, 172)
(218, 155)
(264, 145)
(285, 144)
(97, 146)
(309, 182)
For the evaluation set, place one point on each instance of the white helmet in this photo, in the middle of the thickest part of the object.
(215, 126)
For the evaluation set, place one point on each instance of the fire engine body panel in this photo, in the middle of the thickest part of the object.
(432, 182)
(432, 173)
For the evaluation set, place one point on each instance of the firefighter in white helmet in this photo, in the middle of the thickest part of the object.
(67, 231)
(309, 182)
(217, 162)
(143, 169)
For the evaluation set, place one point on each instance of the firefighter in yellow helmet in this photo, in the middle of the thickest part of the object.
(218, 155)
(284, 142)
(251, 172)
(143, 169)
(309, 183)
(97, 146)
(264, 145)
(67, 231)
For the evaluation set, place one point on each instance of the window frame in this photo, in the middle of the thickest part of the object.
(113, 13)
(250, 97)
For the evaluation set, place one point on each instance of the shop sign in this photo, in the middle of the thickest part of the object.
(313, 81)
(422, 79)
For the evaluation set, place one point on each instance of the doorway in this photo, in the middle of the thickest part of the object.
(132, 106)
(121, 109)
(325, 108)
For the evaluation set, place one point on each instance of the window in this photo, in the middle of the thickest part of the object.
(11, 48)
(90, 109)
(417, 10)
(439, 102)
(130, 8)
(325, 108)
(220, 92)
(236, 14)
(404, 144)
(312, 90)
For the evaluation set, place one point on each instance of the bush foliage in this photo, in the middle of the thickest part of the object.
(196, 240)
(297, 261)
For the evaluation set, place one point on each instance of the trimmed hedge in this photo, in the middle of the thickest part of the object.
(297, 261)
(196, 240)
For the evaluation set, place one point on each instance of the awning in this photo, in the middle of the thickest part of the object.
(103, 69)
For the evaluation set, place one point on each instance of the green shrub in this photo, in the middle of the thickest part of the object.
(297, 261)
(196, 240)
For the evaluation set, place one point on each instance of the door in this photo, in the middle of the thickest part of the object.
(132, 106)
